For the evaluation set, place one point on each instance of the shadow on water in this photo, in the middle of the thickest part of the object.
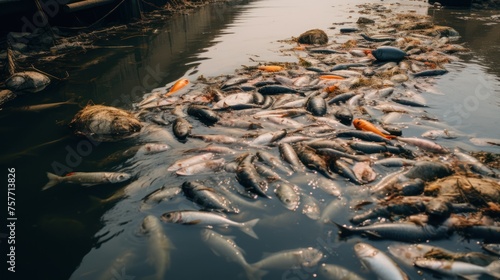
(56, 229)
(479, 30)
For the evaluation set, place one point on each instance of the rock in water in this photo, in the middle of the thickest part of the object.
(28, 81)
(104, 123)
(313, 37)
(387, 53)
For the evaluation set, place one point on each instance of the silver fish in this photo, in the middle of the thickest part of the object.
(207, 197)
(225, 246)
(189, 161)
(424, 144)
(159, 246)
(310, 207)
(161, 194)
(408, 254)
(287, 194)
(189, 217)
(290, 259)
(378, 262)
(208, 166)
(456, 268)
(335, 272)
(86, 178)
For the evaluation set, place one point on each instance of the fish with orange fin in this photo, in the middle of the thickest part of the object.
(331, 77)
(177, 86)
(361, 124)
(271, 68)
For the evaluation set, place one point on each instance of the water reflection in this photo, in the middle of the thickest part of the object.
(70, 232)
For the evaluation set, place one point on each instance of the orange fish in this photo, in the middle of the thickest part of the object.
(270, 68)
(331, 77)
(177, 86)
(361, 124)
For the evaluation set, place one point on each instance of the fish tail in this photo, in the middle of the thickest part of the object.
(494, 269)
(247, 228)
(53, 180)
(343, 230)
(254, 273)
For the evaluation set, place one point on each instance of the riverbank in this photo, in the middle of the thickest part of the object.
(46, 44)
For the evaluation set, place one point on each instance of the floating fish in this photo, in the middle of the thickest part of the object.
(86, 178)
(189, 217)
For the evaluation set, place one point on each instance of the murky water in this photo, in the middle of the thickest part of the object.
(66, 232)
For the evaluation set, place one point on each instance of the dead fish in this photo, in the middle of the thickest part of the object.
(247, 176)
(159, 245)
(287, 193)
(459, 269)
(474, 164)
(378, 262)
(273, 161)
(268, 138)
(211, 148)
(310, 207)
(189, 217)
(332, 210)
(181, 128)
(28, 81)
(289, 155)
(215, 138)
(424, 144)
(400, 231)
(388, 53)
(290, 259)
(224, 246)
(394, 162)
(378, 38)
(207, 197)
(86, 178)
(342, 168)
(344, 115)
(190, 161)
(209, 166)
(410, 253)
(159, 195)
(434, 134)
(312, 160)
(203, 114)
(43, 107)
(239, 123)
(335, 272)
(364, 172)
(428, 171)
(276, 89)
(316, 105)
(432, 72)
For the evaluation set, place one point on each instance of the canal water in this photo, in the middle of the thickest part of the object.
(69, 232)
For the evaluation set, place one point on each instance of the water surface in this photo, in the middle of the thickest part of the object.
(65, 233)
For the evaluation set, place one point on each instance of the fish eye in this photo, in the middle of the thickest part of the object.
(169, 215)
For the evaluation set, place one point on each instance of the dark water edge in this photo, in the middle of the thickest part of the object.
(56, 230)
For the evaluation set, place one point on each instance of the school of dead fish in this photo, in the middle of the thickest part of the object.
(331, 123)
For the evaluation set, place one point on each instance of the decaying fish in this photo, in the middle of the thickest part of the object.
(188, 217)
(378, 262)
(159, 245)
(87, 178)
